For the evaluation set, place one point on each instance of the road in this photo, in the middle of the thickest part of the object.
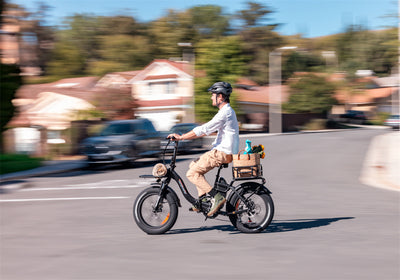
(327, 224)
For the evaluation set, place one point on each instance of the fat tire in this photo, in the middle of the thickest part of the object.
(143, 212)
(263, 201)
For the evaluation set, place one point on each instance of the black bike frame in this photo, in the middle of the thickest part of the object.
(175, 176)
(172, 174)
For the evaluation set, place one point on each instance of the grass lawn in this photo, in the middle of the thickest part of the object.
(13, 163)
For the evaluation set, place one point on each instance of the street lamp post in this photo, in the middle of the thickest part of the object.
(189, 56)
(275, 92)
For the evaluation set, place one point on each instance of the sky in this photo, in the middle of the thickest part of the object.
(311, 18)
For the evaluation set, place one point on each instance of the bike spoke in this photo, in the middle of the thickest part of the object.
(155, 217)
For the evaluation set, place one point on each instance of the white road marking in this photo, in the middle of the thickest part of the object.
(63, 198)
(80, 188)
(110, 184)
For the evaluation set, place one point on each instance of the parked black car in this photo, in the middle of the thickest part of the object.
(184, 146)
(354, 116)
(122, 141)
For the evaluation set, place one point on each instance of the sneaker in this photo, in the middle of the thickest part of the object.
(194, 208)
(217, 202)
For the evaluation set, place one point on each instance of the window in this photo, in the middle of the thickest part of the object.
(149, 126)
(54, 137)
(117, 129)
(162, 87)
(171, 87)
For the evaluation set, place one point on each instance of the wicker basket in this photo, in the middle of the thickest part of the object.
(245, 166)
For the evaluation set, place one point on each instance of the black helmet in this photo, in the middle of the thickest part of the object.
(221, 88)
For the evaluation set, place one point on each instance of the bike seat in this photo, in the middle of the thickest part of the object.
(224, 165)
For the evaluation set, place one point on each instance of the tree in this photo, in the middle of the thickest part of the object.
(77, 44)
(10, 82)
(300, 62)
(358, 48)
(383, 51)
(189, 26)
(83, 31)
(258, 40)
(121, 53)
(166, 32)
(44, 34)
(2, 4)
(35, 38)
(209, 21)
(67, 60)
(221, 60)
(310, 94)
(253, 15)
(115, 103)
(119, 25)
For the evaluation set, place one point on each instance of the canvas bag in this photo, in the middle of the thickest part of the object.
(246, 165)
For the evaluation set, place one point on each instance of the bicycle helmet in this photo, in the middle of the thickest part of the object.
(221, 88)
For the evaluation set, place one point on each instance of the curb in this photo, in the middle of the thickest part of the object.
(32, 173)
(381, 163)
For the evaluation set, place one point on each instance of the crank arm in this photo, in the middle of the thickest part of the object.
(238, 212)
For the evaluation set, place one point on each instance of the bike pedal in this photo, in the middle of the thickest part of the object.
(192, 209)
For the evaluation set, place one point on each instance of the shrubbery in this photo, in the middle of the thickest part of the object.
(14, 163)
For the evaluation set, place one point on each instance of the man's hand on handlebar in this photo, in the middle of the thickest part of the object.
(174, 137)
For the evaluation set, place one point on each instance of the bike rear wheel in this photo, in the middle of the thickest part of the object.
(151, 220)
(254, 218)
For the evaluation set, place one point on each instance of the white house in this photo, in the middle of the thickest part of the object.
(164, 93)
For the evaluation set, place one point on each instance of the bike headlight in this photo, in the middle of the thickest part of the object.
(159, 170)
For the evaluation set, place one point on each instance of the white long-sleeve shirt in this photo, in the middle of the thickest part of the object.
(226, 124)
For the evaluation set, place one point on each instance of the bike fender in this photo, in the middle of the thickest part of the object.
(251, 185)
(170, 191)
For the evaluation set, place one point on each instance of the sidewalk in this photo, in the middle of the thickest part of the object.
(382, 162)
(381, 165)
(49, 167)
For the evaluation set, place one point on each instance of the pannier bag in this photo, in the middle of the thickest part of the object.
(246, 165)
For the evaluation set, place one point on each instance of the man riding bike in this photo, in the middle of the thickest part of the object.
(225, 145)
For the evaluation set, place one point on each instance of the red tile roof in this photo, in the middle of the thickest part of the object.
(181, 65)
(365, 96)
(260, 94)
(160, 77)
(83, 88)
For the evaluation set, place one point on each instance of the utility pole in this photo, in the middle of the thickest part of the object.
(189, 56)
(275, 89)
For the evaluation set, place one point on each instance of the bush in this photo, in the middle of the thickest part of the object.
(380, 118)
(13, 163)
(315, 124)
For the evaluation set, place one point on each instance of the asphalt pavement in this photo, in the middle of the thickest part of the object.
(381, 165)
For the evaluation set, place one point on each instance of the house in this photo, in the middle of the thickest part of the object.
(163, 92)
(254, 102)
(45, 111)
(43, 104)
(117, 79)
(389, 102)
(378, 95)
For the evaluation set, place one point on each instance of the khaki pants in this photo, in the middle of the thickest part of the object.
(202, 165)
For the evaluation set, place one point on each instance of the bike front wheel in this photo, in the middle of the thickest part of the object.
(254, 210)
(150, 219)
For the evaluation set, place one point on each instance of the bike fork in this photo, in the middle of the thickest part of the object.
(160, 198)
